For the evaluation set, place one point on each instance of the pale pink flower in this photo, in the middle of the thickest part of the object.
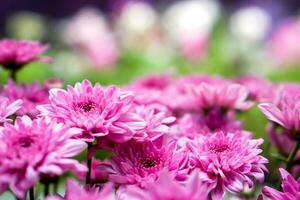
(16, 53)
(31, 95)
(166, 187)
(74, 191)
(98, 111)
(227, 161)
(36, 149)
(283, 42)
(93, 39)
(290, 187)
(8, 108)
(139, 163)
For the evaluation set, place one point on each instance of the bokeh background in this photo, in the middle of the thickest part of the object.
(114, 41)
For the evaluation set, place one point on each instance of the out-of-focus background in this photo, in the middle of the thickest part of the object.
(114, 41)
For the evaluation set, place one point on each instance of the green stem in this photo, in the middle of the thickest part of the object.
(31, 194)
(292, 156)
(46, 189)
(13, 75)
(89, 165)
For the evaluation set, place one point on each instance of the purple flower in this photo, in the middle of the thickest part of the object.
(36, 149)
(96, 110)
(139, 163)
(76, 192)
(16, 53)
(166, 187)
(7, 109)
(290, 187)
(31, 95)
(227, 161)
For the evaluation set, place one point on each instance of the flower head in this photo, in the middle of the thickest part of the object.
(228, 96)
(227, 161)
(139, 163)
(290, 187)
(7, 109)
(285, 113)
(16, 53)
(96, 110)
(166, 187)
(36, 149)
(31, 95)
(76, 192)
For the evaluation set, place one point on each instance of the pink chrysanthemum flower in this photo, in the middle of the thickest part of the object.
(290, 187)
(31, 95)
(156, 123)
(227, 96)
(96, 110)
(285, 113)
(167, 188)
(260, 90)
(76, 192)
(35, 149)
(7, 109)
(227, 161)
(139, 163)
(16, 53)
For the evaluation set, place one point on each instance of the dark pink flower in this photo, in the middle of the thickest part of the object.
(31, 95)
(31, 150)
(16, 53)
(290, 187)
(139, 163)
(165, 188)
(7, 109)
(227, 161)
(76, 192)
(98, 111)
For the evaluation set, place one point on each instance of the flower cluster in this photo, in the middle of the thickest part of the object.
(157, 138)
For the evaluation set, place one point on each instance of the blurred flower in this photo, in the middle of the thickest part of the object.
(285, 114)
(167, 188)
(35, 149)
(139, 163)
(283, 42)
(226, 96)
(14, 54)
(290, 187)
(8, 108)
(189, 35)
(250, 24)
(260, 90)
(96, 110)
(227, 161)
(135, 23)
(89, 33)
(76, 192)
(31, 96)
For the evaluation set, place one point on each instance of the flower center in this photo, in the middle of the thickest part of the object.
(25, 142)
(87, 106)
(219, 148)
(149, 162)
